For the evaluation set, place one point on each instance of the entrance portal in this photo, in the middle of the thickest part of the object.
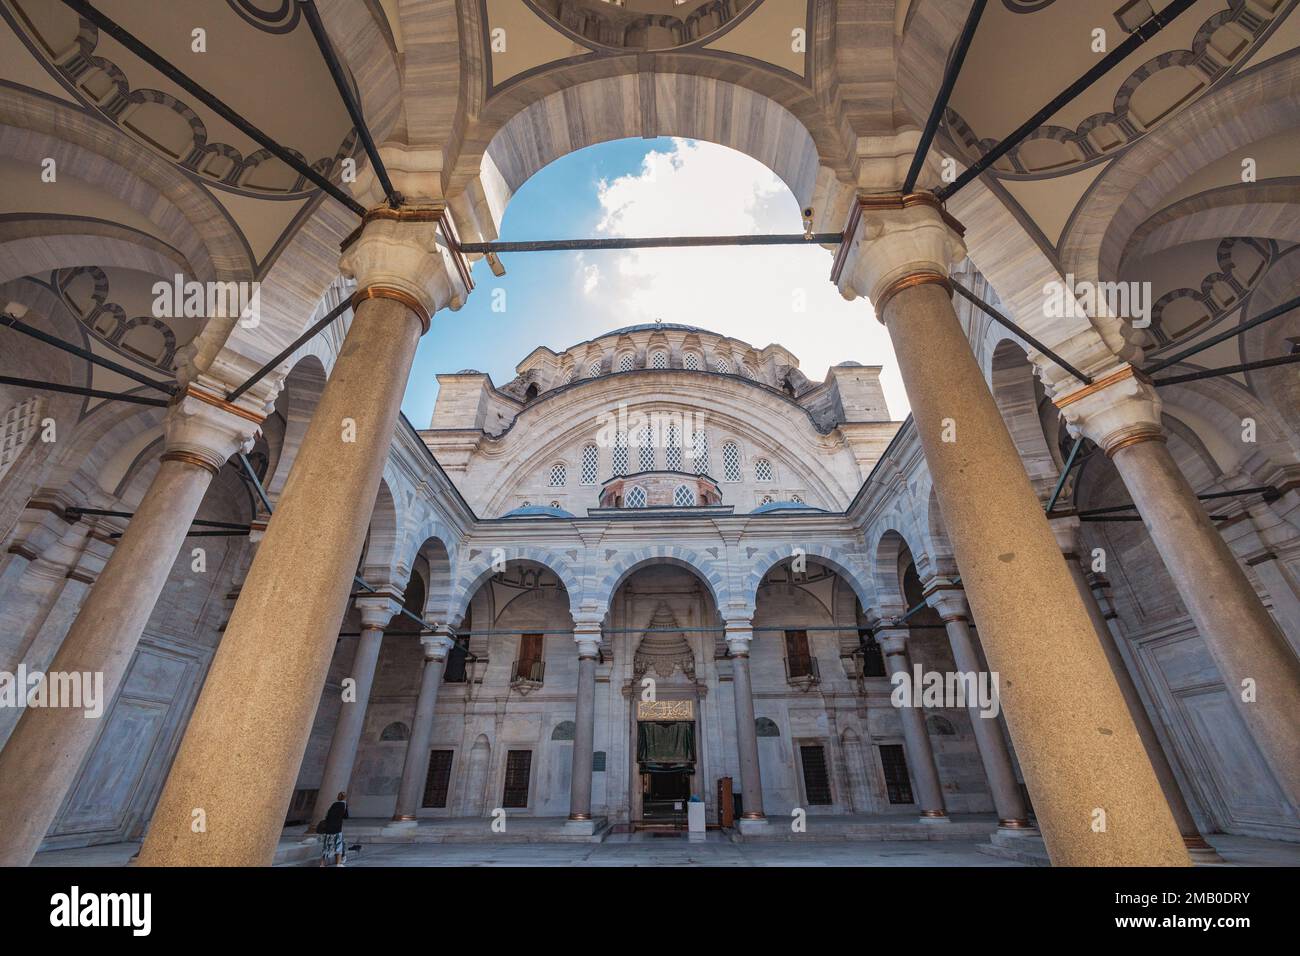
(665, 754)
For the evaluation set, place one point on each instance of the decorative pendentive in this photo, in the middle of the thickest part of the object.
(662, 650)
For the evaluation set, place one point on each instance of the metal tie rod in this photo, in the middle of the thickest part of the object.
(1002, 320)
(293, 346)
(78, 390)
(658, 242)
(1260, 319)
(1138, 37)
(1228, 370)
(146, 53)
(18, 325)
(945, 92)
(354, 108)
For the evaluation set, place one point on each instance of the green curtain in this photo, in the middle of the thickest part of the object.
(665, 744)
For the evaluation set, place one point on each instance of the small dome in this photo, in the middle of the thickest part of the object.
(537, 511)
(784, 506)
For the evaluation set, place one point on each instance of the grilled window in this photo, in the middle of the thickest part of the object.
(438, 778)
(816, 781)
(797, 654)
(647, 453)
(673, 449)
(873, 660)
(691, 362)
(659, 360)
(625, 362)
(636, 497)
(590, 464)
(16, 430)
(762, 470)
(593, 369)
(701, 453)
(894, 763)
(519, 765)
(684, 496)
(730, 461)
(723, 366)
(619, 457)
(559, 475)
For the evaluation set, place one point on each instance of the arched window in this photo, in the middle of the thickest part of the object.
(635, 497)
(619, 457)
(746, 371)
(590, 465)
(564, 730)
(593, 369)
(559, 475)
(766, 727)
(659, 359)
(767, 500)
(691, 362)
(647, 454)
(701, 453)
(762, 470)
(395, 731)
(625, 362)
(673, 448)
(684, 496)
(570, 374)
(555, 504)
(722, 366)
(730, 461)
(531, 393)
(797, 499)
(16, 429)
(940, 725)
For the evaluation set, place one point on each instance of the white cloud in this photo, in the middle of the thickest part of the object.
(753, 293)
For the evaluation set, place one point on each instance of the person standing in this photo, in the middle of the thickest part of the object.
(331, 832)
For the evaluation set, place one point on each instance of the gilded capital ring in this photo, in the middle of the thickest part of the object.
(910, 282)
(397, 295)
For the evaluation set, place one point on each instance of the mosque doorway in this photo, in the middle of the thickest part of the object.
(666, 759)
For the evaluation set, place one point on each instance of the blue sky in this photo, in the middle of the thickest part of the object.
(639, 187)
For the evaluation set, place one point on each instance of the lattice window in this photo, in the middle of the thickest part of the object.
(746, 371)
(730, 461)
(673, 449)
(691, 362)
(438, 778)
(593, 369)
(619, 457)
(19, 424)
(659, 360)
(590, 465)
(894, 763)
(797, 499)
(519, 765)
(635, 498)
(762, 470)
(684, 496)
(767, 500)
(625, 362)
(559, 475)
(570, 375)
(816, 778)
(723, 367)
(647, 453)
(701, 453)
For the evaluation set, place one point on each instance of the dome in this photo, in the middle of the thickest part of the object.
(772, 506)
(537, 511)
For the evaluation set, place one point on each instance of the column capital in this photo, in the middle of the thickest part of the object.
(739, 635)
(1118, 409)
(587, 635)
(893, 241)
(203, 429)
(892, 641)
(437, 645)
(376, 611)
(397, 254)
(949, 600)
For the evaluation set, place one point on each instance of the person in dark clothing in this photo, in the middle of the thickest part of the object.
(331, 832)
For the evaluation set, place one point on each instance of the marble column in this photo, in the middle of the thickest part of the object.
(1097, 800)
(916, 738)
(45, 751)
(950, 602)
(1121, 413)
(276, 650)
(375, 614)
(416, 767)
(740, 635)
(587, 637)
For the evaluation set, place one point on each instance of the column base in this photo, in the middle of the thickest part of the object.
(400, 825)
(1202, 854)
(1023, 825)
(584, 825)
(935, 816)
(755, 824)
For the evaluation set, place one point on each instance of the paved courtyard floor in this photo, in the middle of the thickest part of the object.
(646, 849)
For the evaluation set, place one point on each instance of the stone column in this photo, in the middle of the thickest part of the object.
(1097, 800)
(48, 745)
(276, 650)
(739, 636)
(1108, 632)
(587, 636)
(951, 604)
(916, 738)
(375, 613)
(1121, 413)
(416, 767)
